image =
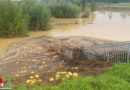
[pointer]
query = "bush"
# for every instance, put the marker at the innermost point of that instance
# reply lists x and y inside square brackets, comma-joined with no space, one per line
[12,21]
[93,6]
[39,15]
[86,15]
[64,10]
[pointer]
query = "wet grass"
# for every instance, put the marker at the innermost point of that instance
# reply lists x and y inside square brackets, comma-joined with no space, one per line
[8,78]
[116,78]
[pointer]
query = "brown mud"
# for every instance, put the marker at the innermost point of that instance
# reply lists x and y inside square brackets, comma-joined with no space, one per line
[50,50]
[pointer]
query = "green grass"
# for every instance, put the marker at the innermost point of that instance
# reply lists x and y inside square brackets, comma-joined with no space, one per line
[8,78]
[116,78]
[120,5]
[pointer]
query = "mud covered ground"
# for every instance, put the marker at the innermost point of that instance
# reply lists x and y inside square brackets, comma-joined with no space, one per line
[85,68]
[46,56]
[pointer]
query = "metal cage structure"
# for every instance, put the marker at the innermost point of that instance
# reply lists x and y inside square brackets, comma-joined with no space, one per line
[115,52]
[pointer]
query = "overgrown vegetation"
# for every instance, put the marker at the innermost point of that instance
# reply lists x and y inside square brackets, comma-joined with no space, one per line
[93,6]
[82,4]
[39,15]
[18,17]
[113,5]
[64,10]
[12,21]
[86,14]
[117,78]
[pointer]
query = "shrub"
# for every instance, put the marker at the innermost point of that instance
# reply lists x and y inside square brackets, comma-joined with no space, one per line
[12,21]
[93,6]
[86,14]
[64,10]
[39,15]
[83,5]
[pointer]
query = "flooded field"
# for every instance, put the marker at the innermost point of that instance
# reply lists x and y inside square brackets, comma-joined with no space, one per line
[112,25]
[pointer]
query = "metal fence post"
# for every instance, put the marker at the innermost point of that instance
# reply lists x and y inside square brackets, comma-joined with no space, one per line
[108,56]
[128,53]
[93,53]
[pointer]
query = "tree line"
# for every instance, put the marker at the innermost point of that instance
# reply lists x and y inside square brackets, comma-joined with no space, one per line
[19,17]
[112,1]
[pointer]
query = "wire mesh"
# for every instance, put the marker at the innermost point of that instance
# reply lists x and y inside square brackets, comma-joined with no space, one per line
[115,52]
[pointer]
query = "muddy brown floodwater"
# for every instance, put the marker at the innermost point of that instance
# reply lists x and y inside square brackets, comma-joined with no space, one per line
[112,25]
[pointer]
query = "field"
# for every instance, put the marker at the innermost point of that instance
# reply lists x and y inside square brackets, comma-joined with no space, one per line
[116,5]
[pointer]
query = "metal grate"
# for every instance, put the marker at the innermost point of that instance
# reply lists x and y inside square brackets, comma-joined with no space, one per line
[115,52]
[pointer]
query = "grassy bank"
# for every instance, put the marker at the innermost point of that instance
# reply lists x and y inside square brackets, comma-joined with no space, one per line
[116,78]
[116,5]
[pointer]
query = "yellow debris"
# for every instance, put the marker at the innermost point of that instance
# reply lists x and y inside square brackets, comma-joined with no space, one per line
[51,80]
[24,71]
[43,62]
[21,72]
[29,66]
[28,81]
[63,72]
[58,73]
[69,73]
[32,72]
[31,77]
[57,76]
[17,75]
[36,76]
[17,62]
[39,80]
[76,68]
[24,54]
[63,78]
[28,59]
[39,48]
[33,81]
[75,75]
